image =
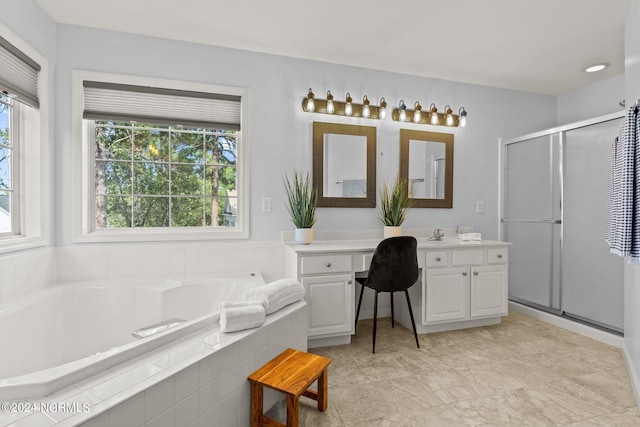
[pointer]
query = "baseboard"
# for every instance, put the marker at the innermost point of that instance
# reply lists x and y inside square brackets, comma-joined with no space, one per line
[633,374]
[579,328]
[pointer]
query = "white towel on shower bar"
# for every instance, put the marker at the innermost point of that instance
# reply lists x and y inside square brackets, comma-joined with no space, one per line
[276,295]
[239,315]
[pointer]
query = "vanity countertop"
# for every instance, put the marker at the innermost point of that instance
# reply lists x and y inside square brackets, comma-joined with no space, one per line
[369,245]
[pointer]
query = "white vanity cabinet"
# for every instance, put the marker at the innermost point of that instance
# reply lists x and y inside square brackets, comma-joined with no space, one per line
[463,285]
[328,280]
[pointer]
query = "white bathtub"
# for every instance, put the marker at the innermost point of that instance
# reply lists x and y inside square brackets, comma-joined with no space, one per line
[69,332]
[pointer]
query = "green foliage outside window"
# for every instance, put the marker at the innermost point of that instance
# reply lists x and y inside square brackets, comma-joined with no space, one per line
[161,176]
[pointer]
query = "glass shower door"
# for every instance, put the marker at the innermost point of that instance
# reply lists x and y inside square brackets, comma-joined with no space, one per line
[591,275]
[531,220]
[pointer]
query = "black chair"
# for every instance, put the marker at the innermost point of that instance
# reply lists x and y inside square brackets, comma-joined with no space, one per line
[394,268]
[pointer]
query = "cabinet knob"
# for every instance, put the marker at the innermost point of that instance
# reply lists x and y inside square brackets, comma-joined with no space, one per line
[464,274]
[499,255]
[475,273]
[438,259]
[349,282]
[328,264]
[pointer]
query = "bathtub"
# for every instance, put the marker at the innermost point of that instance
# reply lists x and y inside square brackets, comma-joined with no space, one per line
[69,332]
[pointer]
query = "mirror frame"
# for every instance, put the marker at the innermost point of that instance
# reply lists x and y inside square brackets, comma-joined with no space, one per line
[319,131]
[407,135]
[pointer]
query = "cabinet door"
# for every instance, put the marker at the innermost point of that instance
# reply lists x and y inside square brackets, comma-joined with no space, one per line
[489,291]
[446,294]
[330,300]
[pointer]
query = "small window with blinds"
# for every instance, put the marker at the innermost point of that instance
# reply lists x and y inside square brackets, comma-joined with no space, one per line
[163,158]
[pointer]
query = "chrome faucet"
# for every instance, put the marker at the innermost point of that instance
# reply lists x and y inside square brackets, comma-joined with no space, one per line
[438,234]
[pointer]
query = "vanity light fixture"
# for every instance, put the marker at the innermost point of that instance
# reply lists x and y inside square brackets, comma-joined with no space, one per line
[449,114]
[330,107]
[463,116]
[383,108]
[402,116]
[311,107]
[417,114]
[434,114]
[348,108]
[366,112]
[311,104]
[430,116]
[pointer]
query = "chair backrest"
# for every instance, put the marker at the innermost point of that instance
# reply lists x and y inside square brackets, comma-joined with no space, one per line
[394,266]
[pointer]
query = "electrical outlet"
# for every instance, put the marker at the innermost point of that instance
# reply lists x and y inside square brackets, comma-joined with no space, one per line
[266,204]
[479,207]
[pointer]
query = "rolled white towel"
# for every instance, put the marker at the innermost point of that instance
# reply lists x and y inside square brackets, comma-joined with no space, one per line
[239,315]
[470,236]
[276,295]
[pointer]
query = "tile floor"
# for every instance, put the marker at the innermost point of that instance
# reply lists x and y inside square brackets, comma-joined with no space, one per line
[523,372]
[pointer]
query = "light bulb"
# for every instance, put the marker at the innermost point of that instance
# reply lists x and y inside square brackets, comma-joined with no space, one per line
[330,107]
[463,117]
[449,113]
[417,115]
[402,116]
[311,106]
[383,108]
[348,108]
[434,114]
[366,112]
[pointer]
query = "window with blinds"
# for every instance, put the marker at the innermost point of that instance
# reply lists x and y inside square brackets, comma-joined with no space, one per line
[19,75]
[163,158]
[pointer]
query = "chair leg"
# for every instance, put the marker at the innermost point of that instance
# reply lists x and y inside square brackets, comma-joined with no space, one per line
[413,323]
[358,310]
[375,322]
[393,323]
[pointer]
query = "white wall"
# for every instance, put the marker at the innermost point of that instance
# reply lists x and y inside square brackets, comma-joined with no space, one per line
[597,99]
[279,132]
[632,272]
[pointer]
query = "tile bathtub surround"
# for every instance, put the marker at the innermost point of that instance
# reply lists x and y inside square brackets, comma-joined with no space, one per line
[521,372]
[26,272]
[198,381]
[129,260]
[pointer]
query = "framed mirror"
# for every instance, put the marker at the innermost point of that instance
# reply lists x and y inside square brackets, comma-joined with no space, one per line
[344,165]
[426,162]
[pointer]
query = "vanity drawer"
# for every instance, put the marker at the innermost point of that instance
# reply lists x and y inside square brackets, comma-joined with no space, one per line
[466,257]
[497,255]
[437,258]
[325,264]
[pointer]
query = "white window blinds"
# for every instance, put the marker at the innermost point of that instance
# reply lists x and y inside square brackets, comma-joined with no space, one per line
[121,102]
[18,74]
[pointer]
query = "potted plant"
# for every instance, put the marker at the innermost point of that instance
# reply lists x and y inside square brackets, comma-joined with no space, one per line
[394,205]
[302,205]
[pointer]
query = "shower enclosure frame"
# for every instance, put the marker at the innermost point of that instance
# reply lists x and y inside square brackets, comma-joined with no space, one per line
[555,219]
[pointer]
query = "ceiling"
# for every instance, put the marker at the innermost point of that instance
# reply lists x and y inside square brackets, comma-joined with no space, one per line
[539,46]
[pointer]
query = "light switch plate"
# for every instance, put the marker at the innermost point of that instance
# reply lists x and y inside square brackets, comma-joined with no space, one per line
[480,207]
[266,204]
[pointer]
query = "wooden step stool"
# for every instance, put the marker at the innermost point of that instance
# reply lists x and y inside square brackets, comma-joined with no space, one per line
[291,373]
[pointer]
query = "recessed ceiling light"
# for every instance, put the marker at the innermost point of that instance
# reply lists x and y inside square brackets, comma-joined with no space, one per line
[596,67]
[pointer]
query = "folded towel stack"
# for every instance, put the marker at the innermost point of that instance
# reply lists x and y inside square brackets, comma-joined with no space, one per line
[275,295]
[239,315]
[462,229]
[470,236]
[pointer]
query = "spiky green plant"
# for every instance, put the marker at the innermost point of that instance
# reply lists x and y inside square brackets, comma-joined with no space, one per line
[302,199]
[394,202]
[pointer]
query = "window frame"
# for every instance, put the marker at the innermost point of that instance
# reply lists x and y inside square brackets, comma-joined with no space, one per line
[83,218]
[31,219]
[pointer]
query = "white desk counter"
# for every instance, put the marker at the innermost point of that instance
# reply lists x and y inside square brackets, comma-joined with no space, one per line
[462,284]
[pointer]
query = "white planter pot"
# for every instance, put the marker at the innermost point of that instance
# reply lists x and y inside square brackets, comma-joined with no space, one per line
[392,231]
[304,236]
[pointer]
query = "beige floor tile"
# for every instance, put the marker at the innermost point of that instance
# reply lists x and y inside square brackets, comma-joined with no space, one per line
[522,372]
